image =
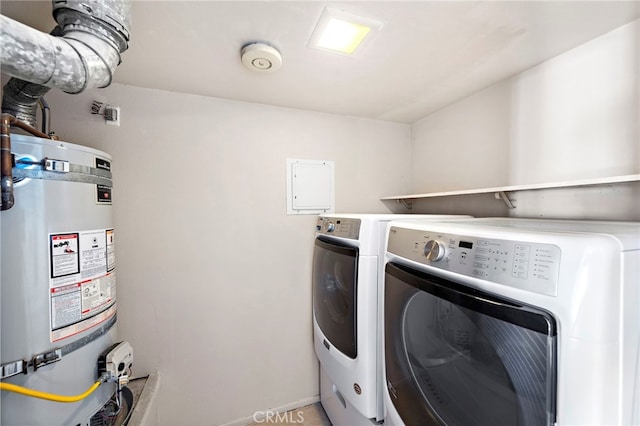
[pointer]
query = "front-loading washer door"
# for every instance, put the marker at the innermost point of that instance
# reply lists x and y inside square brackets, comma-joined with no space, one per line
[458,356]
[335,277]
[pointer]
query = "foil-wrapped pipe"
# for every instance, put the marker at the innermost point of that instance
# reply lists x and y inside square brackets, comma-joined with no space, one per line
[82,52]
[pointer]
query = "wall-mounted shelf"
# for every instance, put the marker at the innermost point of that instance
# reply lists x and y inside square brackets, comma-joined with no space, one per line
[502,192]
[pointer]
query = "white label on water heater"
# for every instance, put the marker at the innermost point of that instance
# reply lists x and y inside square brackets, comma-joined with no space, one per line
[111,252]
[82,283]
[64,255]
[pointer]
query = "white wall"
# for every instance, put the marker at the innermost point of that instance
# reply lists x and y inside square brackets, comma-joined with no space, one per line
[463,146]
[213,277]
[573,117]
[576,116]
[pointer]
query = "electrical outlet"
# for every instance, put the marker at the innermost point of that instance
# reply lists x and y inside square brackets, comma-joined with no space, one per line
[112,115]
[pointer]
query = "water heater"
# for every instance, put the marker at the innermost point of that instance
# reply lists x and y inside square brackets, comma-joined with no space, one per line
[58,286]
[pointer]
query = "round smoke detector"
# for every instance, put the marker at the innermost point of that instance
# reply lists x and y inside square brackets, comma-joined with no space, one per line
[261,57]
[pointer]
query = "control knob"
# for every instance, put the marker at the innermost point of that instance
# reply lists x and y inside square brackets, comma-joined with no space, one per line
[331,226]
[434,250]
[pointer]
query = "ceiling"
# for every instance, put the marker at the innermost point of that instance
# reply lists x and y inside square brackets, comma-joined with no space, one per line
[427,55]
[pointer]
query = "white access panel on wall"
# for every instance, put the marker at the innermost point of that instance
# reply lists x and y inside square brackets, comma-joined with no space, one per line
[310,186]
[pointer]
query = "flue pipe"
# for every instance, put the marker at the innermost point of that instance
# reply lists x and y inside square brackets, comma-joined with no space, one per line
[82,52]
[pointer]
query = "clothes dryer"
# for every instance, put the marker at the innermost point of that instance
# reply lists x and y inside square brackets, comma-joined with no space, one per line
[512,322]
[347,269]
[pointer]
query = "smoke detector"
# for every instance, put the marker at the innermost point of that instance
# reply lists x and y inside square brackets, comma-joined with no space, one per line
[261,57]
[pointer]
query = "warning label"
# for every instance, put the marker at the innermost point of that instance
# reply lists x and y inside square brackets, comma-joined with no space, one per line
[103,194]
[111,251]
[82,284]
[97,292]
[93,255]
[65,305]
[65,258]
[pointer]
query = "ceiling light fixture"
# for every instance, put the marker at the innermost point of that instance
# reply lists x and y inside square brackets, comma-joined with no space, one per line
[341,32]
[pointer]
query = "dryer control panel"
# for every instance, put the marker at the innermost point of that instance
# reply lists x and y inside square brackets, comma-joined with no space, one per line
[339,226]
[528,265]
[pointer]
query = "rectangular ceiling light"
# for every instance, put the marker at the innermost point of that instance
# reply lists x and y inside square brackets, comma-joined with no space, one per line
[341,32]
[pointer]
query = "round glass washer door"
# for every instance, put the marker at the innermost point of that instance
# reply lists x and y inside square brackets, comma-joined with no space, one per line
[334,281]
[458,358]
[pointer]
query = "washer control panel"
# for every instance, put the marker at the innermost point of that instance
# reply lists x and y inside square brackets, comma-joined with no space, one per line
[339,226]
[528,265]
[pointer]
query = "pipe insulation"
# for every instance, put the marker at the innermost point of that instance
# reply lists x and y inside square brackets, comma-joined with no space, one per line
[82,52]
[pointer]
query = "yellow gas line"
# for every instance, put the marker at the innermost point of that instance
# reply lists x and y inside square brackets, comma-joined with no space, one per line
[48,396]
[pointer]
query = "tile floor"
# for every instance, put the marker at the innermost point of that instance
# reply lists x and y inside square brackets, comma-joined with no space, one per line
[311,415]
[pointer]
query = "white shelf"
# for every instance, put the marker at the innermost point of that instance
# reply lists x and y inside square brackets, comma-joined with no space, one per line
[501,191]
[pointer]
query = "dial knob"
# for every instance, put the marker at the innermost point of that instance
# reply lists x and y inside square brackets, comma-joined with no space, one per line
[331,226]
[434,250]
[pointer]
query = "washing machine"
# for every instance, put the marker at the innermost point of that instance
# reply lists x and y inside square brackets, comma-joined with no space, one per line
[512,322]
[347,269]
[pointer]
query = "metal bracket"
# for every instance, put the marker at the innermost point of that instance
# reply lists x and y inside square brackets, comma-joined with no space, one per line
[13,368]
[46,358]
[52,165]
[407,203]
[20,366]
[502,195]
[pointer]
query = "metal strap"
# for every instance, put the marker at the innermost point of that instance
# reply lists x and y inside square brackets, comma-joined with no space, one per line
[77,344]
[13,368]
[70,176]
[20,366]
[93,171]
[53,169]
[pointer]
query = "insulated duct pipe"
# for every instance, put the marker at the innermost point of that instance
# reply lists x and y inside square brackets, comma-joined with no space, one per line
[82,52]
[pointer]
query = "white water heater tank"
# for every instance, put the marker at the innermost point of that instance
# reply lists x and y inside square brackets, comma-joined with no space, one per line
[58,287]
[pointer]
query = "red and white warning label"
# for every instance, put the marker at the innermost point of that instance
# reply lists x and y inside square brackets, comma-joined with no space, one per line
[111,252]
[64,255]
[82,284]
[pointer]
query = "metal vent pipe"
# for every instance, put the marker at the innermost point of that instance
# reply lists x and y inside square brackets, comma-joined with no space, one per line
[82,52]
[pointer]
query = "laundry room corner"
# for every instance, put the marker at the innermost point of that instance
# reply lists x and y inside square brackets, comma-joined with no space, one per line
[214,291]
[572,117]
